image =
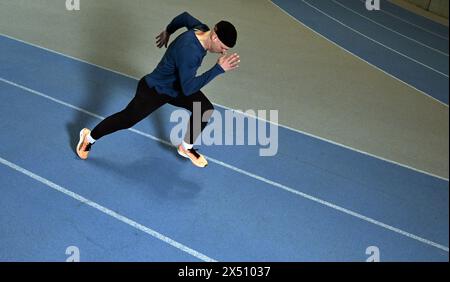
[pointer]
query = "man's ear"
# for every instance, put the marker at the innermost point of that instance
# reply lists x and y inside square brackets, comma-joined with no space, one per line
[214,36]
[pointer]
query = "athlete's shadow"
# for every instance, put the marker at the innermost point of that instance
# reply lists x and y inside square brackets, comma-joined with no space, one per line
[162,176]
[160,120]
[96,85]
[157,120]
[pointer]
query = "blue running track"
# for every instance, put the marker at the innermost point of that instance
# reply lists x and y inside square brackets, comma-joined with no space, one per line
[135,199]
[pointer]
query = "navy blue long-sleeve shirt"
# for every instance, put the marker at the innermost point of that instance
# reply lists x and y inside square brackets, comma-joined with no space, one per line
[176,73]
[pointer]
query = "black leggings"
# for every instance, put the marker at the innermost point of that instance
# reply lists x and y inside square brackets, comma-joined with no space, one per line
[148,100]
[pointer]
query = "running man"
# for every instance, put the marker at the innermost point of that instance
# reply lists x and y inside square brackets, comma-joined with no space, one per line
[175,81]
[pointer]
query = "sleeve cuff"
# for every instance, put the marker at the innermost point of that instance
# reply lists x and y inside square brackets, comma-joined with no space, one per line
[219,69]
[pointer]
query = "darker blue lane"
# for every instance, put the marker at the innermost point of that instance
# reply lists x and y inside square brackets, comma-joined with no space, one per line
[419,76]
[407,29]
[434,60]
[414,18]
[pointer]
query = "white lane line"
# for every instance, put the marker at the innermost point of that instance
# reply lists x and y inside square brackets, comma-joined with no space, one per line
[359,57]
[335,207]
[391,30]
[167,143]
[373,40]
[109,212]
[408,22]
[268,121]
[260,178]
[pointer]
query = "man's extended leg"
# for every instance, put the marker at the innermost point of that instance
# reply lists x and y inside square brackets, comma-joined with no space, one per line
[201,110]
[143,104]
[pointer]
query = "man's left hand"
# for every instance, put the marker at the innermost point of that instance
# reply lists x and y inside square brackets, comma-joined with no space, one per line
[162,39]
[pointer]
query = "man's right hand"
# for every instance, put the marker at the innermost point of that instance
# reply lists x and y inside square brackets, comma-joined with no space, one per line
[162,39]
[229,62]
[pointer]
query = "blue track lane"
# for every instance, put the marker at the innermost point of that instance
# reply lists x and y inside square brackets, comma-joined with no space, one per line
[39,224]
[219,212]
[414,18]
[421,34]
[415,64]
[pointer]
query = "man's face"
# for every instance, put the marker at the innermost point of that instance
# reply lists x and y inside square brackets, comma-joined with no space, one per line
[217,46]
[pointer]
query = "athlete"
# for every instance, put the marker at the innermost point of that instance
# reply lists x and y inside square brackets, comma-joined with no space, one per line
[175,81]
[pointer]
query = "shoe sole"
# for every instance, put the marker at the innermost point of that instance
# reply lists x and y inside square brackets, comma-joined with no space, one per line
[82,135]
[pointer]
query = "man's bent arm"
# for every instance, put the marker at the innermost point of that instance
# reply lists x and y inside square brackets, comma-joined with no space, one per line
[185,20]
[187,69]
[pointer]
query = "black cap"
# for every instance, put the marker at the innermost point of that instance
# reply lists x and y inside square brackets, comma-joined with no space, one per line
[226,33]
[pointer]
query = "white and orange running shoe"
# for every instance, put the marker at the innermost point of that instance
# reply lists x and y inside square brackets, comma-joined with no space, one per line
[192,154]
[84,146]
